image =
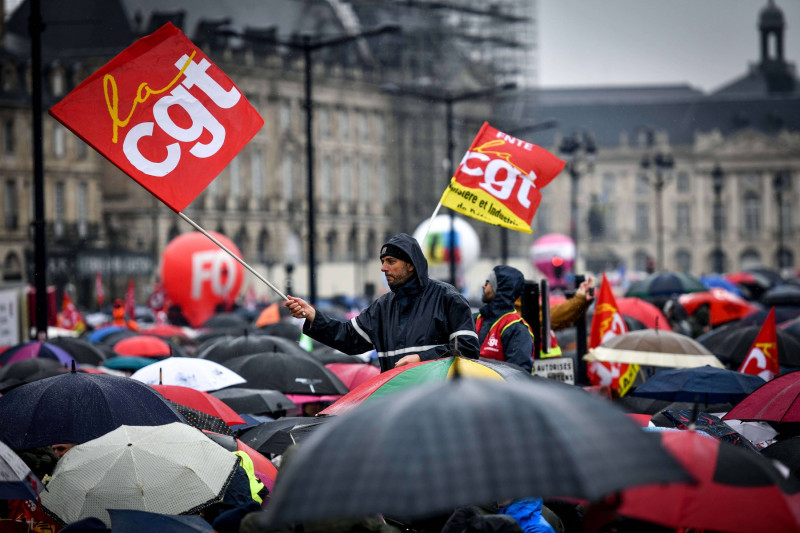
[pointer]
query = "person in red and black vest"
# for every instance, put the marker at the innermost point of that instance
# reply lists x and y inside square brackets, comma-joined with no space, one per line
[502,333]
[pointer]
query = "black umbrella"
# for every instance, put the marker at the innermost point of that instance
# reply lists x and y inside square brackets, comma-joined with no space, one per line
[76,407]
[434,447]
[284,329]
[203,421]
[783,313]
[12,383]
[227,321]
[326,355]
[81,350]
[651,406]
[17,482]
[254,401]
[707,423]
[786,451]
[226,348]
[705,384]
[287,373]
[113,338]
[277,435]
[780,295]
[665,285]
[732,344]
[25,367]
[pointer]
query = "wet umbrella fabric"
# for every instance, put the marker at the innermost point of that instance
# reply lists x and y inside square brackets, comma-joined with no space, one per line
[226,348]
[226,321]
[648,314]
[732,344]
[777,400]
[80,349]
[520,438]
[398,379]
[724,306]
[786,294]
[792,327]
[326,355]
[353,375]
[169,469]
[35,349]
[651,406]
[786,451]
[664,285]
[783,313]
[78,407]
[654,348]
[737,490]
[286,373]
[127,362]
[134,521]
[254,401]
[701,421]
[275,436]
[703,384]
[17,482]
[202,401]
[721,282]
[199,374]
[144,346]
[202,421]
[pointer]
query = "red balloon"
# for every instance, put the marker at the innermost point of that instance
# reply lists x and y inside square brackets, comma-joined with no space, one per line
[198,275]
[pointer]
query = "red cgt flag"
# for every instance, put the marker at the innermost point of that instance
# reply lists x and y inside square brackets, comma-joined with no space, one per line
[498,180]
[762,359]
[607,323]
[98,289]
[70,317]
[164,114]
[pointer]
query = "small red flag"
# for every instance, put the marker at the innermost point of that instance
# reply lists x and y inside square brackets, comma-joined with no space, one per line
[164,114]
[70,317]
[130,301]
[98,289]
[607,323]
[762,359]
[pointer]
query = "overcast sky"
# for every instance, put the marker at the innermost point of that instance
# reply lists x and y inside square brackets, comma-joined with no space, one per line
[705,43]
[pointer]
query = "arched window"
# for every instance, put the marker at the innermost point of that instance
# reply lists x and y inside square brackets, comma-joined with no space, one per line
[12,267]
[749,258]
[173,232]
[242,241]
[352,249]
[752,214]
[263,247]
[330,241]
[640,260]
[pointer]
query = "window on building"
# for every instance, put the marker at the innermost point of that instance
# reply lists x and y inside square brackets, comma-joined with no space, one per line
[363,126]
[383,182]
[642,220]
[380,128]
[364,178]
[59,205]
[57,82]
[786,216]
[10,78]
[640,260]
[256,175]
[642,183]
[11,205]
[83,209]
[347,179]
[331,245]
[285,115]
[236,178]
[344,125]
[610,220]
[326,178]
[683,258]
[683,222]
[58,141]
[8,137]
[752,214]
[324,124]
[718,218]
[609,185]
[263,247]
[288,176]
[80,150]
[682,182]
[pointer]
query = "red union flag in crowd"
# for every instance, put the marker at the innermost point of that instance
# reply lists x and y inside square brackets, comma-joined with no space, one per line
[164,114]
[607,323]
[70,317]
[498,180]
[762,359]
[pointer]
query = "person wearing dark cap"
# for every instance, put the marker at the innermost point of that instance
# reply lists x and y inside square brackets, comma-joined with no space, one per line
[420,319]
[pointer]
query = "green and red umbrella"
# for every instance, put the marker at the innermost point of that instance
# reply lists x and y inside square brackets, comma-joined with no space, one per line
[424,372]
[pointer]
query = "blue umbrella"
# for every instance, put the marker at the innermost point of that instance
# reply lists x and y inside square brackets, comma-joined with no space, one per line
[704,384]
[715,281]
[130,521]
[101,333]
[78,407]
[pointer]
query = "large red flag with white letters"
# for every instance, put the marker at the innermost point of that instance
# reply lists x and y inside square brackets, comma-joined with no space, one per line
[607,323]
[762,359]
[164,114]
[499,178]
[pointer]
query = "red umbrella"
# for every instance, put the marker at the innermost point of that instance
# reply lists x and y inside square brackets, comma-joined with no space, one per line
[143,346]
[168,331]
[774,401]
[645,312]
[353,374]
[724,306]
[736,490]
[202,401]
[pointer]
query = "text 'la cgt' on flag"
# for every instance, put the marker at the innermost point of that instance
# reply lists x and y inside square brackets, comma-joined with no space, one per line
[164,114]
[498,180]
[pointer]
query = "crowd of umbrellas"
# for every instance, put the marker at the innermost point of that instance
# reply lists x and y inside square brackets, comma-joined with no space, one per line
[161,420]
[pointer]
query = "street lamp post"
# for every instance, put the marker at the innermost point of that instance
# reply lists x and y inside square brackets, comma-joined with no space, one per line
[308,44]
[577,149]
[718,181]
[450,99]
[662,163]
[779,183]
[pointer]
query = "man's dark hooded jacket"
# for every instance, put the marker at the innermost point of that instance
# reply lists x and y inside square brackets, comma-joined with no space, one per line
[516,338]
[423,316]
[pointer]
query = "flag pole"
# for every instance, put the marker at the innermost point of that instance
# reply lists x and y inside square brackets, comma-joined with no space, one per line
[248,267]
[430,222]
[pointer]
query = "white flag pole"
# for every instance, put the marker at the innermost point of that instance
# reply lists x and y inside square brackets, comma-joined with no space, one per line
[430,223]
[248,267]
